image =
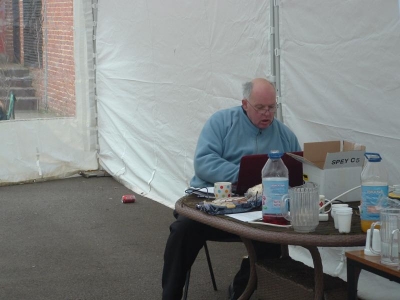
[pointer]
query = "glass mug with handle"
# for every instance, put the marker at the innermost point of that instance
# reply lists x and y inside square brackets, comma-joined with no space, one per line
[394,256]
[389,237]
[301,207]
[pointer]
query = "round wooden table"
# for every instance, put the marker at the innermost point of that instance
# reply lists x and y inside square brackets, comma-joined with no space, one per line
[325,235]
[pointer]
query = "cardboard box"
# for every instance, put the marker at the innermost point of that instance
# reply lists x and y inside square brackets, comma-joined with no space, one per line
[335,166]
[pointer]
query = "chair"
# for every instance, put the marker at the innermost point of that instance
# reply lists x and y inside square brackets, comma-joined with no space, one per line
[211,273]
[224,240]
[11,107]
[228,240]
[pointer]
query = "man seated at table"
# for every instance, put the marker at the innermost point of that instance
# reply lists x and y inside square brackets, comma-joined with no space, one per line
[226,137]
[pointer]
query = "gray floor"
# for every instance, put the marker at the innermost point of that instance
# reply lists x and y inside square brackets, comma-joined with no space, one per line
[74,239]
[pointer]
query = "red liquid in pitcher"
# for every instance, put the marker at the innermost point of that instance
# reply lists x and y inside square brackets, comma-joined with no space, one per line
[275,219]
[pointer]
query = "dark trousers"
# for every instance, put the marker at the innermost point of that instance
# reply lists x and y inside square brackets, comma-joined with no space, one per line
[186,239]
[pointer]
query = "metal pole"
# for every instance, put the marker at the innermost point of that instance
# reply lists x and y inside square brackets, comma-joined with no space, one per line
[277,53]
[272,39]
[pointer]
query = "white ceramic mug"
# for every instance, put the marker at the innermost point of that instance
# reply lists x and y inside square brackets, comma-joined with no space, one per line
[222,190]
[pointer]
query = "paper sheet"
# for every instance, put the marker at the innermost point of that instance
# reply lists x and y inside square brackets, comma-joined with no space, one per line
[247,216]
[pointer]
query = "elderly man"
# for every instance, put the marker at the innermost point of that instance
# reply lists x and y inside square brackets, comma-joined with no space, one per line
[226,137]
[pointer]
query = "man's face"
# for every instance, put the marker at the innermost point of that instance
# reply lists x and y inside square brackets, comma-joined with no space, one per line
[261,106]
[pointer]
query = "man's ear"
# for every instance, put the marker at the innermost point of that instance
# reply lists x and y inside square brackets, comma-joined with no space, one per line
[244,104]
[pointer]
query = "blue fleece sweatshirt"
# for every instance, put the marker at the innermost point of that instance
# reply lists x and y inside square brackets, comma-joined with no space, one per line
[226,137]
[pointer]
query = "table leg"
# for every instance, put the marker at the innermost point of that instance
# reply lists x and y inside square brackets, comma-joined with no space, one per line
[353,273]
[251,285]
[318,272]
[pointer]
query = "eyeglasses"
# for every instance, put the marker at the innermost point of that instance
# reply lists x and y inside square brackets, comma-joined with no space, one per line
[263,111]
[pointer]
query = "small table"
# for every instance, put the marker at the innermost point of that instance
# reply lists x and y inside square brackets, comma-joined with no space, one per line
[357,260]
[325,235]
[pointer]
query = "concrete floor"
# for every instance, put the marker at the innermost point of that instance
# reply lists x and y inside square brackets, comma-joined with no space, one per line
[74,239]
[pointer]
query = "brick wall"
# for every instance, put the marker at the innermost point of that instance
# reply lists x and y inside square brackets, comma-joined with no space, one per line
[9,50]
[60,57]
[56,87]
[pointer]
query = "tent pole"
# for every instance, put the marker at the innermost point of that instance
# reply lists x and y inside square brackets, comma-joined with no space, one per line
[94,12]
[277,53]
[272,40]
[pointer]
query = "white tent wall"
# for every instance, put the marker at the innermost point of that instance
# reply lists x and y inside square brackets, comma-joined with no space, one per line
[56,148]
[162,70]
[340,73]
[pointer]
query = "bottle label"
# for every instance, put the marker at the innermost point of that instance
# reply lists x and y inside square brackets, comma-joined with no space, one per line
[273,190]
[370,196]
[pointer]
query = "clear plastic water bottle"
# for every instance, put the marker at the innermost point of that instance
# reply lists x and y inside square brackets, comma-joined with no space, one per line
[275,184]
[374,185]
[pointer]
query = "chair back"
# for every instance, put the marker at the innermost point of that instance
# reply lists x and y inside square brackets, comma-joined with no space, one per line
[11,107]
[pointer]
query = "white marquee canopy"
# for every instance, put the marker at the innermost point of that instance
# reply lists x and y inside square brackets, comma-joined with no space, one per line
[150,73]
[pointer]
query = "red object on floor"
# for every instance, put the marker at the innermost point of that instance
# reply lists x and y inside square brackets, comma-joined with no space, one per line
[128,199]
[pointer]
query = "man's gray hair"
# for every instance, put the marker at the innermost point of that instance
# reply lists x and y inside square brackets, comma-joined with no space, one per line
[247,89]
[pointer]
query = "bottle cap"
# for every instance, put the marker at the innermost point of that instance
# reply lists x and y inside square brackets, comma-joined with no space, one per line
[275,154]
[373,157]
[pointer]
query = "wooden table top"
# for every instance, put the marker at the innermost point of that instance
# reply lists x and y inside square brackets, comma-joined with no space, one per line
[372,261]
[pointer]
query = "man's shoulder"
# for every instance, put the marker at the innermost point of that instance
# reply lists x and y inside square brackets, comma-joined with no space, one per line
[229,110]
[227,113]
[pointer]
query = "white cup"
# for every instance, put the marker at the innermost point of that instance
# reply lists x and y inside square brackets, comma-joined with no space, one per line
[376,243]
[343,219]
[222,190]
[335,207]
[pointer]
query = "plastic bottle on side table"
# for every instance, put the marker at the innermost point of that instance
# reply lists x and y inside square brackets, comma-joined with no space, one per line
[275,184]
[374,185]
